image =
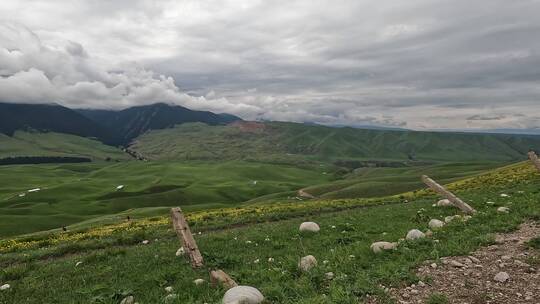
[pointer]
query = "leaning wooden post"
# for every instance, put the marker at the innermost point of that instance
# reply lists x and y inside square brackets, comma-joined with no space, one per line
[534,158]
[181,227]
[449,195]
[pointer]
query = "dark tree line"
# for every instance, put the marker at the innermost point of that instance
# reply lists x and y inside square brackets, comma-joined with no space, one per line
[22,160]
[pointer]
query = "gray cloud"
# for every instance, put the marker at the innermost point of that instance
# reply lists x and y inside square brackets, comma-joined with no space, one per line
[419,63]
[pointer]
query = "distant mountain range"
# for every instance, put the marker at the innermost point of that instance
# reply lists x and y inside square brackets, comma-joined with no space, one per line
[111,127]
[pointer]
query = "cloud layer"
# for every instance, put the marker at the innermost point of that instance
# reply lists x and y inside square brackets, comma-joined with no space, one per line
[417,64]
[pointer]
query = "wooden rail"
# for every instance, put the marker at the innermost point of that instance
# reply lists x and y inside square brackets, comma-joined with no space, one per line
[449,195]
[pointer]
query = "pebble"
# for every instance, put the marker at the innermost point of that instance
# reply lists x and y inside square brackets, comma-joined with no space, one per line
[503,210]
[329,275]
[128,300]
[5,287]
[198,281]
[307,263]
[475,260]
[415,234]
[180,251]
[457,264]
[433,265]
[169,289]
[501,277]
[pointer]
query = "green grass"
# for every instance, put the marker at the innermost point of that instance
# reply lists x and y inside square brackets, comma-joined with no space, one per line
[81,195]
[107,275]
[292,142]
[56,144]
[74,193]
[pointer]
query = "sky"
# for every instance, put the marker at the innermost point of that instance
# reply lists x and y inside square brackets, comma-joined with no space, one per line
[416,64]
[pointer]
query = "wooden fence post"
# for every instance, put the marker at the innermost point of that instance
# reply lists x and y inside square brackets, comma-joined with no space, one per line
[181,227]
[449,195]
[534,158]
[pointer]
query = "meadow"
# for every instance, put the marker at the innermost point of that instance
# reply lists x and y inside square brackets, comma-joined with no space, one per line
[42,268]
[76,195]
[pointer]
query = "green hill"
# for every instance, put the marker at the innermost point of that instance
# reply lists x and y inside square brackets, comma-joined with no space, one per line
[56,144]
[277,141]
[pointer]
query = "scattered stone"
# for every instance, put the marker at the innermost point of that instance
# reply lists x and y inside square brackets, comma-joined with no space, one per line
[457,264]
[429,233]
[169,289]
[503,210]
[415,234]
[309,227]
[180,252]
[506,257]
[329,275]
[490,203]
[450,218]
[475,260]
[170,298]
[501,277]
[198,281]
[380,246]
[444,203]
[128,300]
[307,263]
[421,284]
[435,224]
[433,265]
[505,195]
[78,264]
[145,242]
[243,295]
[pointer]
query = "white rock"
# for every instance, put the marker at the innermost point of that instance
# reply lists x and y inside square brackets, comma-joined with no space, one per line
[119,187]
[198,281]
[128,300]
[380,246]
[329,275]
[503,210]
[170,298]
[309,227]
[307,262]
[270,260]
[78,264]
[180,252]
[505,195]
[434,224]
[448,219]
[501,277]
[444,203]
[145,242]
[243,295]
[169,289]
[5,287]
[415,234]
[490,203]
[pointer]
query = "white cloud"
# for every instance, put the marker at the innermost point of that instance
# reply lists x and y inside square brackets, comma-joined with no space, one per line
[429,63]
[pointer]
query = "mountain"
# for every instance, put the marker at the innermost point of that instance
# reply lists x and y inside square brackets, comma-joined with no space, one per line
[134,121]
[110,127]
[285,141]
[49,118]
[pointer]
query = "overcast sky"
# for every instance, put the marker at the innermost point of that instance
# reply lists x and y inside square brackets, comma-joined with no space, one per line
[415,64]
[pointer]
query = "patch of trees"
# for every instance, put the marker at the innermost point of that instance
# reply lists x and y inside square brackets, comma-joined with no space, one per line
[26,160]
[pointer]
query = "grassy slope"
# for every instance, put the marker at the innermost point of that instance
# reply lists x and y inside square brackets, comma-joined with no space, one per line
[56,144]
[282,141]
[76,192]
[144,270]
